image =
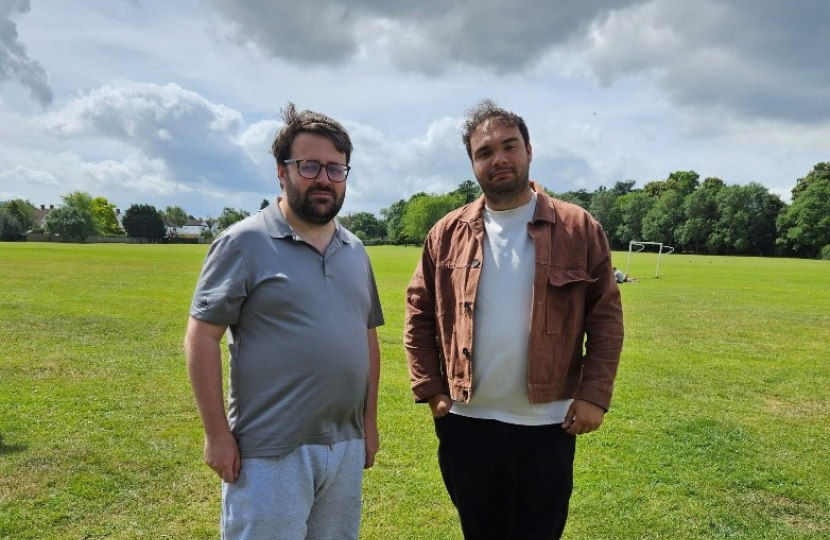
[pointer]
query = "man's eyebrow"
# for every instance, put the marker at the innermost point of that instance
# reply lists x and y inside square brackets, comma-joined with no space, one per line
[487,146]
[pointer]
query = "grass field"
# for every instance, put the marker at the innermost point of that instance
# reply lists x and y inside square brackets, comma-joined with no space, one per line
[720,425]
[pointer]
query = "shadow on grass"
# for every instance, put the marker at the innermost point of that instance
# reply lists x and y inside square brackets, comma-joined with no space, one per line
[10,448]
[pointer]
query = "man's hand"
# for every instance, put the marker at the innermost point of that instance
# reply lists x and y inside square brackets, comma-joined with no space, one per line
[371,440]
[222,455]
[583,417]
[440,405]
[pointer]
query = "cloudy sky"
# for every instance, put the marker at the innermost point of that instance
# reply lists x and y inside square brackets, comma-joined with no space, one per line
[176,103]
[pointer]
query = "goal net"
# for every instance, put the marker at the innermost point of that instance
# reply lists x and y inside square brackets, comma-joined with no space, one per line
[636,246]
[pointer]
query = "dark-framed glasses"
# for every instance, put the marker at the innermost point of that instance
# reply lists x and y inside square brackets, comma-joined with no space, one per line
[310,169]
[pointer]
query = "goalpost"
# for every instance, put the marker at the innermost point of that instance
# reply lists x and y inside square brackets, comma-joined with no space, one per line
[641,246]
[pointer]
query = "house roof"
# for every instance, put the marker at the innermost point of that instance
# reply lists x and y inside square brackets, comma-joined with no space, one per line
[41,213]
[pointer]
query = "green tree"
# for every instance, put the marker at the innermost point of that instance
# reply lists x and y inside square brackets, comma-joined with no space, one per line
[604,210]
[230,216]
[633,208]
[144,221]
[804,226]
[701,211]
[363,224]
[86,205]
[683,182]
[580,197]
[82,201]
[820,171]
[656,188]
[10,228]
[623,187]
[664,218]
[423,211]
[16,217]
[747,220]
[175,215]
[78,199]
[712,183]
[103,215]
[70,223]
[392,220]
[468,190]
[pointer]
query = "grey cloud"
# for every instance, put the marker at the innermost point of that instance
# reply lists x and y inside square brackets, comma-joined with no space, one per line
[195,139]
[763,59]
[429,36]
[316,31]
[15,64]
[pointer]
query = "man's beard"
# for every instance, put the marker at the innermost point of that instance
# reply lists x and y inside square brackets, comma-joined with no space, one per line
[507,190]
[307,210]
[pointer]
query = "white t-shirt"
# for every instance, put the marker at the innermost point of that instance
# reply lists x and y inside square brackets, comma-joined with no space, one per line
[502,325]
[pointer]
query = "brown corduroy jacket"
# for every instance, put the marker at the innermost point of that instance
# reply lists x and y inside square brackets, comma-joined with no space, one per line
[576,333]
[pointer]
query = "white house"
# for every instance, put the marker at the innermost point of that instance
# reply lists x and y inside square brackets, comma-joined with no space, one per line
[194,227]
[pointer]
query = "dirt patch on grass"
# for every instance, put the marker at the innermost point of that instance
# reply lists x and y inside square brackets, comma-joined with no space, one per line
[797,409]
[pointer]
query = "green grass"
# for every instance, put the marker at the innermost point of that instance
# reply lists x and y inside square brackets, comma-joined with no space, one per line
[719,428]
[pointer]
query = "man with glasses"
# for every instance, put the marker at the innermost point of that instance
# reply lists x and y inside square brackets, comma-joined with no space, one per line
[296,294]
[507,290]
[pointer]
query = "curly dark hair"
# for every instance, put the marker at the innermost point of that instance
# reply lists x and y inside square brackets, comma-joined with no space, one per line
[308,122]
[488,110]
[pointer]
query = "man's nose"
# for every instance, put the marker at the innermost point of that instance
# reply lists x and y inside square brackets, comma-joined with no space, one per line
[499,158]
[322,176]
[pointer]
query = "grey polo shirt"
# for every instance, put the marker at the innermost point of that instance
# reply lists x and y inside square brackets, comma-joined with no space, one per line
[299,356]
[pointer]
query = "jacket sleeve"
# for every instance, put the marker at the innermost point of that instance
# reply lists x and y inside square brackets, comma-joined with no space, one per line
[421,331]
[603,324]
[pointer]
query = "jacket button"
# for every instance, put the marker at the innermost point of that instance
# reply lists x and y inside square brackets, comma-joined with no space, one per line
[476,263]
[466,352]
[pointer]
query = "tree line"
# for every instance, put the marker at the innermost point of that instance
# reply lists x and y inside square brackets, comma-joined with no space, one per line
[82,216]
[693,216]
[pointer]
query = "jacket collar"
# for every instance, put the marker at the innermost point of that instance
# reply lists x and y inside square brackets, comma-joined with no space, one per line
[544,207]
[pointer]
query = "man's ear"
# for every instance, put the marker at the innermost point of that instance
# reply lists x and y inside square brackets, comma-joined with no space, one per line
[529,152]
[281,175]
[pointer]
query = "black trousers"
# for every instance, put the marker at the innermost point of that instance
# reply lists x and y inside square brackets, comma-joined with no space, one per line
[508,482]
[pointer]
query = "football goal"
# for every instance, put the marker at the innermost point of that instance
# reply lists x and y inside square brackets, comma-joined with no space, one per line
[636,246]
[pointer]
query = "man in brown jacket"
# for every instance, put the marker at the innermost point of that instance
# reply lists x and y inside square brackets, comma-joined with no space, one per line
[513,336]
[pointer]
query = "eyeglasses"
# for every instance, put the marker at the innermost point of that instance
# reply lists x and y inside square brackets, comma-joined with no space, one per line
[310,169]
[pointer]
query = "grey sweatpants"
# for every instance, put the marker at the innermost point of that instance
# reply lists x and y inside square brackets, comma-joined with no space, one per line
[313,493]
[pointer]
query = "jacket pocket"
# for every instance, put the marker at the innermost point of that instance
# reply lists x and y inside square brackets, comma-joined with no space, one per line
[565,302]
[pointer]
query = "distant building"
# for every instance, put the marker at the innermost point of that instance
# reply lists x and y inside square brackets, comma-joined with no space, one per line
[41,213]
[193,228]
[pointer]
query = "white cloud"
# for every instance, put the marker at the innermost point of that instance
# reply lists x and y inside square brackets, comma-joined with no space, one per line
[195,138]
[256,140]
[23,175]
